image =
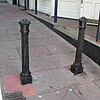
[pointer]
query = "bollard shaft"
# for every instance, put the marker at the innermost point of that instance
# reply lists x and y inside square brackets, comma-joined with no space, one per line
[35,6]
[25,4]
[55,11]
[77,68]
[25,75]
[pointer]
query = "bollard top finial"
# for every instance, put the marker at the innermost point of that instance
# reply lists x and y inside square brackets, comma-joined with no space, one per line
[24,22]
[83,19]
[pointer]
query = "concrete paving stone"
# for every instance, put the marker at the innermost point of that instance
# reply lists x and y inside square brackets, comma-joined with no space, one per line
[18,36]
[43,29]
[33,30]
[41,63]
[85,77]
[3,33]
[97,82]
[4,38]
[39,51]
[9,54]
[61,48]
[12,37]
[41,42]
[11,67]
[90,74]
[88,91]
[50,80]
[13,31]
[61,94]
[17,43]
[11,27]
[6,45]
[43,34]
[2,27]
[61,60]
[32,36]
[57,40]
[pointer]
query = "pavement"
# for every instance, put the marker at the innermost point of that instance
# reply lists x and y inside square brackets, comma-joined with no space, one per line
[50,59]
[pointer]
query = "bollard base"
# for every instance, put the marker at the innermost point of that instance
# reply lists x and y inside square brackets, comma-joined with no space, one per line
[76,69]
[25,78]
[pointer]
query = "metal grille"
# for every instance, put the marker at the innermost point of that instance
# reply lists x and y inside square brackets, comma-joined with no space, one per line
[14,96]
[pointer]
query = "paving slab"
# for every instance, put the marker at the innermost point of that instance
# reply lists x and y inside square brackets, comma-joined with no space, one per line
[88,92]
[61,94]
[54,79]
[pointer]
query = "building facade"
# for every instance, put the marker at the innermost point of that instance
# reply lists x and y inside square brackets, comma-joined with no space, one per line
[67,8]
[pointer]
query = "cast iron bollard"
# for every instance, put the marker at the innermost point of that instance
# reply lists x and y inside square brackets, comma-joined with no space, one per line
[25,75]
[25,4]
[77,68]
[35,6]
[55,11]
[18,3]
[98,30]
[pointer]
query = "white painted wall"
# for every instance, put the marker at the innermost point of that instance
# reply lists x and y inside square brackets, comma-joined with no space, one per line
[69,8]
[22,3]
[45,6]
[90,9]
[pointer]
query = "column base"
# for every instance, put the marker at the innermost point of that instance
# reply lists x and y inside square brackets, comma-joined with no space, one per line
[25,78]
[76,69]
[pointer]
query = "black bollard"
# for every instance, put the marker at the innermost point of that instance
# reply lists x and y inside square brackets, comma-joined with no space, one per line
[25,75]
[77,68]
[98,30]
[55,11]
[18,3]
[35,6]
[25,4]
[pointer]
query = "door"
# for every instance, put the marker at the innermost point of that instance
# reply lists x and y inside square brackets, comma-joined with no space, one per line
[69,8]
[90,8]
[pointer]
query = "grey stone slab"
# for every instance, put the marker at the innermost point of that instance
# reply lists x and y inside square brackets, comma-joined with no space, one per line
[12,37]
[11,67]
[50,80]
[9,54]
[32,36]
[88,92]
[4,38]
[41,63]
[39,51]
[13,31]
[40,42]
[43,34]
[6,45]
[91,73]
[3,33]
[61,48]
[62,94]
[17,43]
[97,82]
[61,60]
[58,40]
[33,29]
[18,36]
[2,27]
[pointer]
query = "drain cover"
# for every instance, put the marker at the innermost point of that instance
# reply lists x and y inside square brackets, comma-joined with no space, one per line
[14,96]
